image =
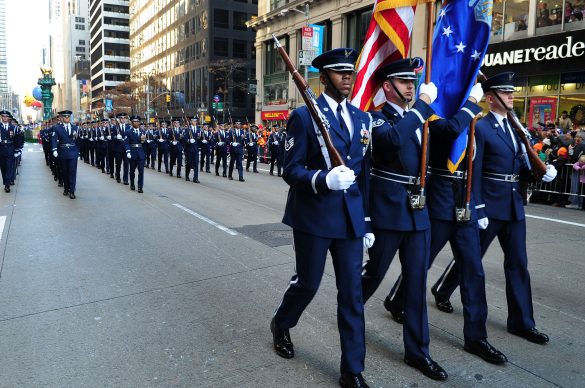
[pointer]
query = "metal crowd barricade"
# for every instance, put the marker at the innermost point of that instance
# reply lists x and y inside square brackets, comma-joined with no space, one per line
[565,187]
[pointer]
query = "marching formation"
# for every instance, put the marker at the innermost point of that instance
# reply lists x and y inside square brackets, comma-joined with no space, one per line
[122,145]
[11,143]
[358,185]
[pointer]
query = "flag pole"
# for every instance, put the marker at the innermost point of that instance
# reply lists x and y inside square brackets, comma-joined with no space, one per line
[418,201]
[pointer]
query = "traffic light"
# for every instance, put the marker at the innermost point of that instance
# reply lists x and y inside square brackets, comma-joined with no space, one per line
[168,98]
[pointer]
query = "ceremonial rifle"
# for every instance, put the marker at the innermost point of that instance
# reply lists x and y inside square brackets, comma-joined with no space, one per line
[311,103]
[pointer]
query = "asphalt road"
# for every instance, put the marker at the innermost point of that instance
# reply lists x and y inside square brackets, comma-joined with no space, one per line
[176,287]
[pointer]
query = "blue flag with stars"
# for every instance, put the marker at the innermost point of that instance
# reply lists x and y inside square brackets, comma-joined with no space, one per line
[460,41]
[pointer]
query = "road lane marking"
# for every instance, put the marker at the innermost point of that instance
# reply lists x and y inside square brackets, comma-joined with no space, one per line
[203,218]
[554,220]
[2,223]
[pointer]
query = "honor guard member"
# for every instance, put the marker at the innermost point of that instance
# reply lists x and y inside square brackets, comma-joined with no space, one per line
[237,140]
[92,142]
[151,147]
[55,165]
[252,148]
[327,212]
[176,147]
[273,146]
[6,149]
[398,226]
[446,197]
[101,149]
[119,148]
[66,151]
[164,136]
[133,139]
[18,144]
[205,148]
[501,159]
[220,141]
[108,126]
[191,139]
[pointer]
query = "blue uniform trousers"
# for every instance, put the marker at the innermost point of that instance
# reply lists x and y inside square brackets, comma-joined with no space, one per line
[163,155]
[221,157]
[310,254]
[133,165]
[69,173]
[6,161]
[512,238]
[252,158]
[236,157]
[204,161]
[413,247]
[151,156]
[464,241]
[191,162]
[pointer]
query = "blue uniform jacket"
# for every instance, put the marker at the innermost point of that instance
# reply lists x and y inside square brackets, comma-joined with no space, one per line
[237,136]
[131,140]
[445,194]
[63,143]
[311,207]
[206,135]
[497,199]
[188,134]
[7,138]
[118,144]
[396,148]
[223,139]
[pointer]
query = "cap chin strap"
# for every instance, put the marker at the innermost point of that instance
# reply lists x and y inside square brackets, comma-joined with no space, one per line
[404,100]
[337,93]
[502,102]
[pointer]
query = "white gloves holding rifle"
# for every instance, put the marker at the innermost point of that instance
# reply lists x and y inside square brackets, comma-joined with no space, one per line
[55,154]
[430,90]
[483,223]
[340,178]
[551,173]
[476,92]
[369,240]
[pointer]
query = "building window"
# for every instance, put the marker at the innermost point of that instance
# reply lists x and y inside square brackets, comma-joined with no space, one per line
[79,20]
[274,63]
[274,4]
[240,49]
[240,19]
[358,23]
[80,49]
[221,18]
[80,27]
[81,41]
[220,47]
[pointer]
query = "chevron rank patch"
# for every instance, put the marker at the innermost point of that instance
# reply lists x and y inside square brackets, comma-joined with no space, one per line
[289,144]
[378,123]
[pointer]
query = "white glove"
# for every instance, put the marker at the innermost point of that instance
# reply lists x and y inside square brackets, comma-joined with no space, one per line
[252,143]
[109,137]
[119,137]
[429,89]
[55,154]
[204,141]
[101,138]
[340,178]
[149,141]
[128,155]
[161,140]
[16,154]
[175,142]
[483,223]
[476,92]
[220,143]
[275,143]
[369,239]
[551,173]
[191,141]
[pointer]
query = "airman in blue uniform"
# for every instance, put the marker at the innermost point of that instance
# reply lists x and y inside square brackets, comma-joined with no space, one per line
[327,210]
[221,141]
[101,148]
[274,140]
[164,137]
[446,196]
[133,139]
[176,146]
[66,151]
[119,148]
[252,148]
[237,141]
[399,225]
[6,149]
[501,159]
[191,141]
[205,146]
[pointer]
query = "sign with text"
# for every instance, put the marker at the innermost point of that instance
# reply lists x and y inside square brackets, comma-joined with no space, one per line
[307,36]
[275,115]
[306,57]
[317,45]
[542,110]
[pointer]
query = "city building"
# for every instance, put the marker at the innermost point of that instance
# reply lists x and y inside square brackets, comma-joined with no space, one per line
[109,49]
[543,42]
[193,57]
[69,43]
[6,95]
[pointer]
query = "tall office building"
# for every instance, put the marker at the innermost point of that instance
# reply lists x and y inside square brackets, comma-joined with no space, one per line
[198,52]
[3,58]
[109,48]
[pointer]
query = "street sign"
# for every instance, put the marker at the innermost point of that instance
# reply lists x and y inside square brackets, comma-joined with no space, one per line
[216,98]
[306,57]
[307,38]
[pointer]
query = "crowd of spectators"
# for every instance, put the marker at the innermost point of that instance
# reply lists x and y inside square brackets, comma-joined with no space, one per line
[562,144]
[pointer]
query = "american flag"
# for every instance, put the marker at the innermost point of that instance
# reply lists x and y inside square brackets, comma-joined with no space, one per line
[387,39]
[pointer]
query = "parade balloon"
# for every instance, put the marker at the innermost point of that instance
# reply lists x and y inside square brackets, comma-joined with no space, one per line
[37,93]
[36,104]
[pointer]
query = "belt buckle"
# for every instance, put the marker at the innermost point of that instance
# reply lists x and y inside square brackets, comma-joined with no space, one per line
[511,178]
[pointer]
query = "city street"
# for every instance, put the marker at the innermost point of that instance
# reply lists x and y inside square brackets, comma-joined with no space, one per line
[176,288]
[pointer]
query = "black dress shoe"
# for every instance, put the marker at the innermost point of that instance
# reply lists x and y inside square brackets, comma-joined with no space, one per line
[242,180]
[118,180]
[159,170]
[187,179]
[397,314]
[532,335]
[111,176]
[217,173]
[281,339]
[256,171]
[443,305]
[279,174]
[60,185]
[126,183]
[271,173]
[72,195]
[428,367]
[196,181]
[485,350]
[231,178]
[224,175]
[170,174]
[178,176]
[132,187]
[66,192]
[140,190]
[7,189]
[352,381]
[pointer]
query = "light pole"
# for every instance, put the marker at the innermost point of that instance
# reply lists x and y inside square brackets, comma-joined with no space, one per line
[306,13]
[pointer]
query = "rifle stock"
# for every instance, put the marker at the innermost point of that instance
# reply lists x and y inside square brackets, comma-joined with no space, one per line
[311,103]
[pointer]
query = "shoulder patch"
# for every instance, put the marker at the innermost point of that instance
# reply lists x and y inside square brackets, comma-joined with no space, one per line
[289,144]
[378,123]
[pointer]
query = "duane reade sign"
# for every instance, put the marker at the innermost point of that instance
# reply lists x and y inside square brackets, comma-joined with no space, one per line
[570,47]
